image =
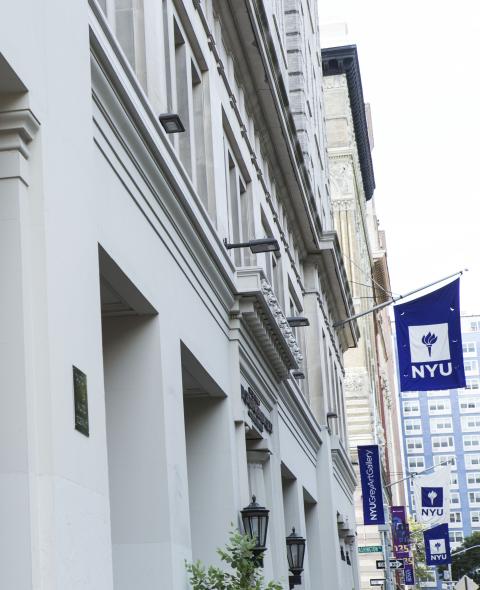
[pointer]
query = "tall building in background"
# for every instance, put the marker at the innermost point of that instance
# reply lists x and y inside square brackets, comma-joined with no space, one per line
[371,402]
[441,426]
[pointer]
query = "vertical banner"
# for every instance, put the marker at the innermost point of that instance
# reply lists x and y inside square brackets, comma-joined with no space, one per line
[400,532]
[408,572]
[369,464]
[437,545]
[432,497]
[429,341]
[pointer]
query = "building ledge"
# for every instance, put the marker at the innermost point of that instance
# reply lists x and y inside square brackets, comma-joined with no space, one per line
[342,462]
[344,60]
[259,308]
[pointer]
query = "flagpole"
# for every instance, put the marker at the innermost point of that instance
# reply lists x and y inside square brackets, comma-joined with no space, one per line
[394,299]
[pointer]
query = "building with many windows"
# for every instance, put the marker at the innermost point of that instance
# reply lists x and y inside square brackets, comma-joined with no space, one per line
[441,426]
[154,375]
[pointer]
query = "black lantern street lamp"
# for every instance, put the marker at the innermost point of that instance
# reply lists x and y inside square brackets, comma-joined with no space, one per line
[255,524]
[295,556]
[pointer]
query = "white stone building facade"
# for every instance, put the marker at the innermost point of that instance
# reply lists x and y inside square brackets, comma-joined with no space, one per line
[113,263]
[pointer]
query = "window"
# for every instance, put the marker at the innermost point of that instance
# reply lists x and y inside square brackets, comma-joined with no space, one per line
[454,500]
[439,406]
[474,498]
[471,423]
[443,443]
[472,383]
[469,349]
[441,425]
[475,326]
[475,518]
[456,536]
[414,445]
[471,442]
[413,426]
[469,405]
[239,211]
[471,367]
[455,518]
[411,408]
[453,480]
[444,460]
[129,28]
[472,461]
[416,463]
[473,479]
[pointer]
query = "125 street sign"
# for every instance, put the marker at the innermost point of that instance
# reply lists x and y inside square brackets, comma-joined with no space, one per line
[395,564]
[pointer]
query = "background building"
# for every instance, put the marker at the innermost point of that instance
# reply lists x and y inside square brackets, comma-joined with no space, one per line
[441,426]
[369,368]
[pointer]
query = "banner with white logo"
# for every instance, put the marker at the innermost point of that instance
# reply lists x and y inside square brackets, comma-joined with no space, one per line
[429,341]
[369,465]
[432,497]
[437,545]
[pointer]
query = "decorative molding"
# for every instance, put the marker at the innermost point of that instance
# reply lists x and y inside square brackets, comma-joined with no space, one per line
[262,313]
[17,129]
[342,176]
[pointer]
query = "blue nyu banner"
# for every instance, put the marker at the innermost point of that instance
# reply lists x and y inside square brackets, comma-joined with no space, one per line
[437,545]
[429,341]
[369,462]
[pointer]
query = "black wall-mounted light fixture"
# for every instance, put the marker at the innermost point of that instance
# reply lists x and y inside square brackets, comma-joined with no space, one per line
[255,524]
[298,374]
[256,246]
[342,554]
[298,321]
[348,558]
[171,123]
[295,556]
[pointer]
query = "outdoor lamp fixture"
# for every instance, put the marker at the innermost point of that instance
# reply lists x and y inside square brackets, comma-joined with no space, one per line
[171,123]
[348,558]
[330,416]
[298,374]
[298,321]
[256,246]
[255,524]
[295,556]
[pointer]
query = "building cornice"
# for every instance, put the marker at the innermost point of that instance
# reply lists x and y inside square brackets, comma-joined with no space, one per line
[344,60]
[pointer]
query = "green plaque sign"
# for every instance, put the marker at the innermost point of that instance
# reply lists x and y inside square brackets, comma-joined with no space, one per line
[371,549]
[80,401]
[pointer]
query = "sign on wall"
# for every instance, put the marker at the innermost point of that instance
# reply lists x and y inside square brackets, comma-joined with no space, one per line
[369,465]
[80,401]
[429,341]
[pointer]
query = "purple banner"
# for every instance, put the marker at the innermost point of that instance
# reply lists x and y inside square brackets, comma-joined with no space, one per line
[400,532]
[408,573]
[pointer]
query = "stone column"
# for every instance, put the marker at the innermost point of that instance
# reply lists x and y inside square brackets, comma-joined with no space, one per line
[17,386]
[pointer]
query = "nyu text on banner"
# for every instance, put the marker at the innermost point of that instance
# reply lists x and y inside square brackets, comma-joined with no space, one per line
[429,341]
[369,463]
[400,532]
[432,497]
[437,545]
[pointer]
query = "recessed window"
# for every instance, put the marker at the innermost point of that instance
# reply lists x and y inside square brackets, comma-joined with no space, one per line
[439,425]
[443,443]
[469,348]
[455,518]
[445,460]
[471,442]
[473,479]
[412,426]
[469,405]
[471,367]
[456,536]
[470,423]
[439,406]
[475,518]
[472,461]
[474,498]
[414,445]
[472,383]
[411,408]
[455,499]
[416,463]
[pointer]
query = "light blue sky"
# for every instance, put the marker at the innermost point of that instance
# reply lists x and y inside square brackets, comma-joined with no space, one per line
[420,65]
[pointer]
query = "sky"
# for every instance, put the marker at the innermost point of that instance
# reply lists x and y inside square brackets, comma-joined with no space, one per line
[420,68]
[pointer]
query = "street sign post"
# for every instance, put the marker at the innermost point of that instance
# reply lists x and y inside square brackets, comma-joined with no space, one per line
[371,549]
[395,564]
[377,581]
